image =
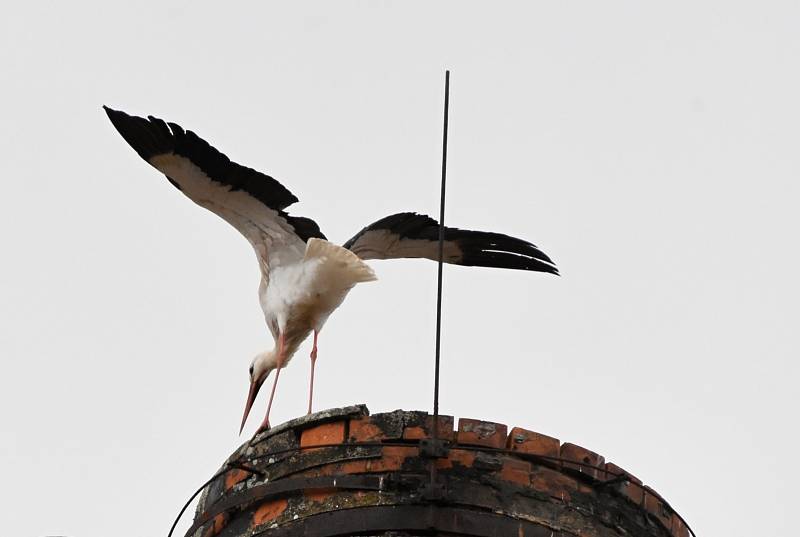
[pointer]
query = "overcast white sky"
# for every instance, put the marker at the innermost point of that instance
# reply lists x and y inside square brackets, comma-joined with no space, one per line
[650,148]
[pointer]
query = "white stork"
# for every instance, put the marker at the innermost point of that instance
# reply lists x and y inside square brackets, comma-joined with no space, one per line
[303,276]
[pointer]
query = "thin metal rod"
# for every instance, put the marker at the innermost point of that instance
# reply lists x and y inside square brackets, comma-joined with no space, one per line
[441,256]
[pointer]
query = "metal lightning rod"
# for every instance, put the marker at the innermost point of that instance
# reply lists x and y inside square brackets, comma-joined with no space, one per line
[441,256]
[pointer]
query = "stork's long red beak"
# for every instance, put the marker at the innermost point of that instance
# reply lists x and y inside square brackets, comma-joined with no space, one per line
[255,385]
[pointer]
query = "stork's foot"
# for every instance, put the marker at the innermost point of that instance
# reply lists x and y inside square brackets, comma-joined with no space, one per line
[313,363]
[311,386]
[265,426]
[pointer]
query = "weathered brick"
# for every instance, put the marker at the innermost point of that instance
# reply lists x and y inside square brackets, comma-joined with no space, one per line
[553,483]
[269,511]
[234,477]
[526,441]
[319,495]
[464,465]
[425,429]
[335,468]
[219,522]
[363,430]
[216,526]
[631,489]
[612,471]
[457,457]
[391,423]
[353,467]
[657,508]
[679,529]
[392,459]
[590,462]
[327,433]
[488,461]
[481,433]
[516,471]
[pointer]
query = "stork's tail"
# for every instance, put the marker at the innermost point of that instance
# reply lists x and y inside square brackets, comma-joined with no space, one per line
[340,263]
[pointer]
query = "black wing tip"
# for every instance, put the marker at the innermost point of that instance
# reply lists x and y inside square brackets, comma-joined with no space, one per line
[481,248]
[152,136]
[117,115]
[114,115]
[553,270]
[507,260]
[144,135]
[478,248]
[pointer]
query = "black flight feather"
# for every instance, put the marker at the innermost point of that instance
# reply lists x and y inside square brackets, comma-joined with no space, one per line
[152,137]
[477,248]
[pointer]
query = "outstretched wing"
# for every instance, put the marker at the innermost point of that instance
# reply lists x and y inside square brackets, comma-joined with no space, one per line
[249,200]
[416,235]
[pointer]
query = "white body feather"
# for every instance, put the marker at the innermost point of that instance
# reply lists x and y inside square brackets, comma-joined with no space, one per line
[318,282]
[299,297]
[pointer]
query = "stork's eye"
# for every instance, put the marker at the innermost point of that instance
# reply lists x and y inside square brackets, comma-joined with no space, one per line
[251,370]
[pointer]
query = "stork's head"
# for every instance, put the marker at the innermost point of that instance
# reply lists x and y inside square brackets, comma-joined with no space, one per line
[260,368]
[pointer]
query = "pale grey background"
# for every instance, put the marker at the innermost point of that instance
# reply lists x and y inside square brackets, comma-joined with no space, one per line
[650,148]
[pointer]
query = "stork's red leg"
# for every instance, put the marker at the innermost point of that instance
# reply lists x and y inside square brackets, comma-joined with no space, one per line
[265,424]
[313,362]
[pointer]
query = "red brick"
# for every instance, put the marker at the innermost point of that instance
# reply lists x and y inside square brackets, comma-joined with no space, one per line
[633,490]
[481,433]
[353,467]
[328,469]
[336,468]
[612,471]
[654,506]
[553,483]
[392,459]
[516,471]
[418,432]
[218,524]
[317,471]
[235,476]
[363,430]
[532,442]
[679,529]
[269,511]
[457,457]
[590,462]
[327,433]
[319,495]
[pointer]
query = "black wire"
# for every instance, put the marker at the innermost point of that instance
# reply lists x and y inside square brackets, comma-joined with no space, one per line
[193,496]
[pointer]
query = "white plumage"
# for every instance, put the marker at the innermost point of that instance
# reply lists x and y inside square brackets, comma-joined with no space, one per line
[297,297]
[304,278]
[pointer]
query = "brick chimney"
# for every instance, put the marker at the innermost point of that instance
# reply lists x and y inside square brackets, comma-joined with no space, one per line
[343,472]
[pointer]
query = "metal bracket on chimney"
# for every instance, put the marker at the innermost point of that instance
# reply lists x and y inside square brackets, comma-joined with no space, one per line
[433,448]
[433,492]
